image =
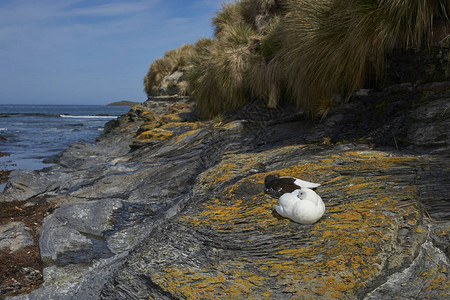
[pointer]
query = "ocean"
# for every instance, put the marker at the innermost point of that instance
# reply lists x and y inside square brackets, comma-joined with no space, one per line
[30,134]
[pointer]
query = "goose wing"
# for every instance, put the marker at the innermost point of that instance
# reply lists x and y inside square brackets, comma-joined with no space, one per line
[306,184]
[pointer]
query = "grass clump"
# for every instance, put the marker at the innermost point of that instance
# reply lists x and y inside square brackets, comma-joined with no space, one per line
[216,79]
[231,69]
[254,11]
[331,46]
[307,51]
[172,61]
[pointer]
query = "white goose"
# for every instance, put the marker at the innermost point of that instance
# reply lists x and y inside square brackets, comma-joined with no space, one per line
[302,206]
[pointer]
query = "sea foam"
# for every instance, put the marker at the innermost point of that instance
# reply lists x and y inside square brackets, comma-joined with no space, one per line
[88,117]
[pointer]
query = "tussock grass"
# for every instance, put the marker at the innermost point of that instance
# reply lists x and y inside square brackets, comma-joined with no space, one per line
[265,80]
[171,62]
[310,50]
[158,69]
[230,15]
[331,46]
[252,8]
[216,79]
[265,76]
[180,57]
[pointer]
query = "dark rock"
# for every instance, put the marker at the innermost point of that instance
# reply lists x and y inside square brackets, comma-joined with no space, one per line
[184,215]
[24,184]
[110,125]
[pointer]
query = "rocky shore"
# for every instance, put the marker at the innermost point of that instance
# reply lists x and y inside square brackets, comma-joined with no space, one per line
[167,206]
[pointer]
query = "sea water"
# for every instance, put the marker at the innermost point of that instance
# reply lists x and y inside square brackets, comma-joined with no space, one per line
[32,133]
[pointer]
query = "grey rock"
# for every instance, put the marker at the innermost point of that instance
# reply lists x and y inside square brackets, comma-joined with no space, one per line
[429,125]
[187,218]
[427,272]
[173,84]
[74,232]
[56,240]
[74,281]
[24,184]
[15,236]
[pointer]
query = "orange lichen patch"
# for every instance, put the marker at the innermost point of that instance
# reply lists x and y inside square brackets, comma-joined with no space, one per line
[195,283]
[130,127]
[148,126]
[156,134]
[185,126]
[236,125]
[179,107]
[148,116]
[181,137]
[143,112]
[170,118]
[250,216]
[334,258]
[241,163]
[224,173]
[437,279]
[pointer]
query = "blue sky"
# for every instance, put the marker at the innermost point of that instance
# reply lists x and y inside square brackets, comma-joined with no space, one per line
[91,52]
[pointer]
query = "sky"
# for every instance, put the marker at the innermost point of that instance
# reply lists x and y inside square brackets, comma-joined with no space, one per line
[91,51]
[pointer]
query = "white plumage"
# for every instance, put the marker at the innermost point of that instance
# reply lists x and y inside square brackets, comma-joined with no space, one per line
[303,183]
[302,206]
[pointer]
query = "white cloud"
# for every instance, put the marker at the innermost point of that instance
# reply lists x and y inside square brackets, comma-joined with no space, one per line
[111,9]
[26,11]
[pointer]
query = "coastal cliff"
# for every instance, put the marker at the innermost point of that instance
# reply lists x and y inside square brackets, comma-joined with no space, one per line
[167,206]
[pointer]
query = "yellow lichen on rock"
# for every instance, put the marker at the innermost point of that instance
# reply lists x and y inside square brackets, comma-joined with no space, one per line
[194,283]
[352,237]
[182,126]
[155,127]
[186,134]
[156,134]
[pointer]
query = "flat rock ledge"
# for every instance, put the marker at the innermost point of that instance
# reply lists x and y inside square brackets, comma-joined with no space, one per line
[165,206]
[229,243]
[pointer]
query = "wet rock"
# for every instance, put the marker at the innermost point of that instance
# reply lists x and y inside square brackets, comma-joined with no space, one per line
[15,236]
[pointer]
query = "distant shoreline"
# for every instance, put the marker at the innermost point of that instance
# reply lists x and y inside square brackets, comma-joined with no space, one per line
[123,103]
